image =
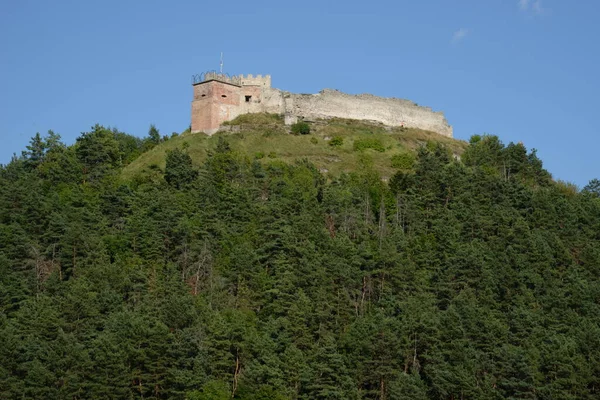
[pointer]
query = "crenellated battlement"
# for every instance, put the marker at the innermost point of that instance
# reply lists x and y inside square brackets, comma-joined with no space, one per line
[258,80]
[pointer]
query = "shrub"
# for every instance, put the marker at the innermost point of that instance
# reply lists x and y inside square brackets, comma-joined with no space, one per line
[259,155]
[336,141]
[403,161]
[300,128]
[314,140]
[272,155]
[369,143]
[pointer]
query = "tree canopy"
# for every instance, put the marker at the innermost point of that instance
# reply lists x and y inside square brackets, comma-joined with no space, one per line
[475,278]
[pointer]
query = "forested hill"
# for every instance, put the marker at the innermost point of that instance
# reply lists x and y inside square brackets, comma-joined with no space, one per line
[252,278]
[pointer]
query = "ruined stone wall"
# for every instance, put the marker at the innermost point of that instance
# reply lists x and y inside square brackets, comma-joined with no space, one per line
[388,111]
[267,100]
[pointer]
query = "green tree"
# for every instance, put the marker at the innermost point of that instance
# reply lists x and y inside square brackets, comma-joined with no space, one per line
[98,151]
[592,188]
[153,135]
[179,170]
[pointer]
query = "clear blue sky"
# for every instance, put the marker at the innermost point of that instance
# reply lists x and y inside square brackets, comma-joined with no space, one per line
[523,70]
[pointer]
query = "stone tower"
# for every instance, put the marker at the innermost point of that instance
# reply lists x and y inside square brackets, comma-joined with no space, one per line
[220,97]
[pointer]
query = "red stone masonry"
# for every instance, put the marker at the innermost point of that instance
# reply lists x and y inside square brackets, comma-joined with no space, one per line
[214,103]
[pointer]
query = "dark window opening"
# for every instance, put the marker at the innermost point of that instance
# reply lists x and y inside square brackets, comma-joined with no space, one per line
[223,95]
[203,95]
[248,99]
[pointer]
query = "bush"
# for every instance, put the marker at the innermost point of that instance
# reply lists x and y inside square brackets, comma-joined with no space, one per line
[272,155]
[259,155]
[314,140]
[300,128]
[336,141]
[369,143]
[403,161]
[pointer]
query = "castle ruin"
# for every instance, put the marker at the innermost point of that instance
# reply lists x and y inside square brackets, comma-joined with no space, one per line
[219,97]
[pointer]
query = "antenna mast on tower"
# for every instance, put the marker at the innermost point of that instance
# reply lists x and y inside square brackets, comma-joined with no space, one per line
[221,62]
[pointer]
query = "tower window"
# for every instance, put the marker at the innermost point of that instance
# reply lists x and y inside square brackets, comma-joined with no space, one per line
[248,98]
[223,95]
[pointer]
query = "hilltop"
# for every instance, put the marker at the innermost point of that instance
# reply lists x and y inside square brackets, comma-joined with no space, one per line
[265,137]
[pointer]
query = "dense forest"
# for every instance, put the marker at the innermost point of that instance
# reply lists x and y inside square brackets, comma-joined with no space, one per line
[470,278]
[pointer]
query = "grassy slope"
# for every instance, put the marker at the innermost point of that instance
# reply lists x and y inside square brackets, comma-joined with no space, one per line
[265,135]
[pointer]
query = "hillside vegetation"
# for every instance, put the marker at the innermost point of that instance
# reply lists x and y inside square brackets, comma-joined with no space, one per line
[221,276]
[265,137]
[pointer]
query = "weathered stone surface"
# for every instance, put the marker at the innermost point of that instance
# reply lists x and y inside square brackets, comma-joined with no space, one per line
[216,102]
